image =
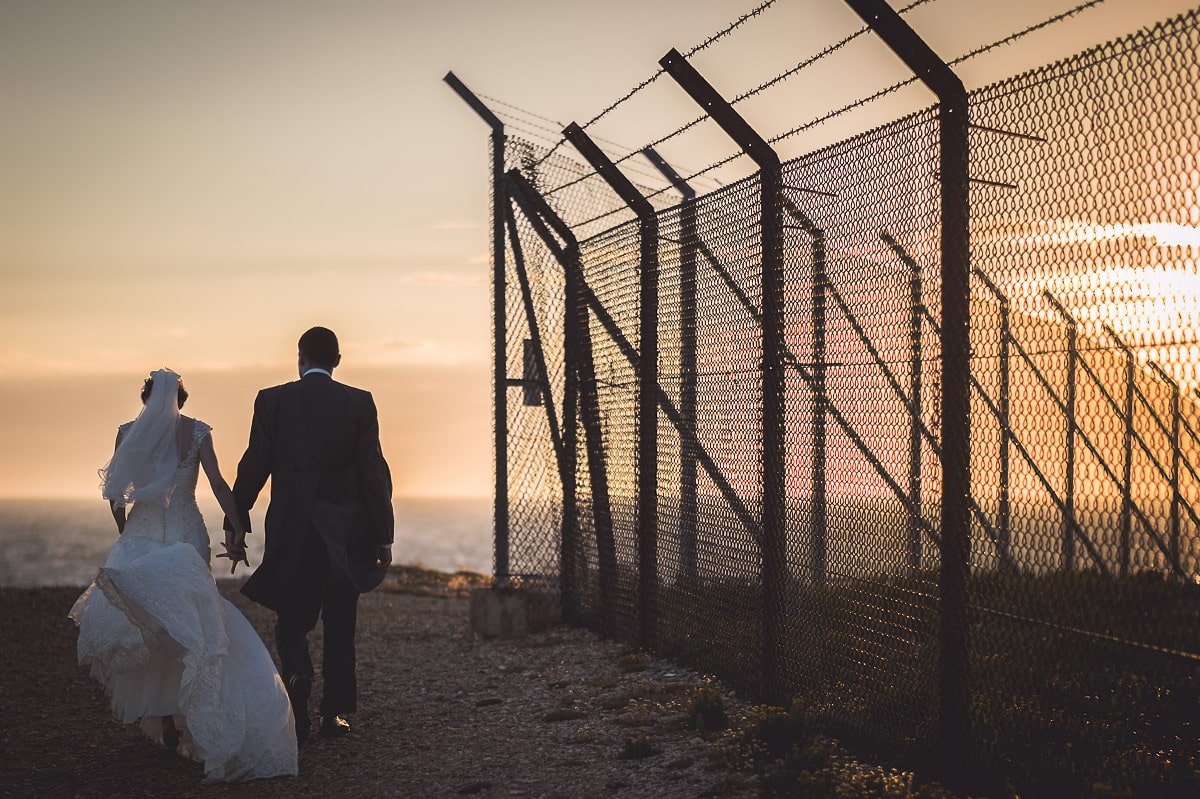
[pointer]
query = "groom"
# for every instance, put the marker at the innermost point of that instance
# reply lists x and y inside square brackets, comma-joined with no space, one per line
[329,525]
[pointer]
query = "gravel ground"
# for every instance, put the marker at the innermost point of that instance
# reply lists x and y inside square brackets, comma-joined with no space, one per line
[559,713]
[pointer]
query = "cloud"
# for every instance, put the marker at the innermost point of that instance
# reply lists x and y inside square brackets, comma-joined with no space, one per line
[435,420]
[443,279]
[1168,234]
[413,352]
[1052,232]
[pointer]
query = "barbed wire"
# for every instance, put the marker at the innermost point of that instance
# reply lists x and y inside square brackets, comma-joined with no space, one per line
[843,109]
[909,81]
[1012,37]
[753,13]
[827,51]
[521,110]
[817,57]
[530,133]
[533,129]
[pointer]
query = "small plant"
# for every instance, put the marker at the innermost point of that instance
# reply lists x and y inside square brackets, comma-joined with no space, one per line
[771,732]
[563,714]
[794,761]
[639,748]
[632,662]
[706,710]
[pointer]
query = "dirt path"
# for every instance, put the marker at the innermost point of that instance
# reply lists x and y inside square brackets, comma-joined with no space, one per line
[442,713]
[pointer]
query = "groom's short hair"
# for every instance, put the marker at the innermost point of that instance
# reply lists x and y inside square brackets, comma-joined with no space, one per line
[319,346]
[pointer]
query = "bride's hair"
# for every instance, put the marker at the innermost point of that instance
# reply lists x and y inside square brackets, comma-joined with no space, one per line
[148,385]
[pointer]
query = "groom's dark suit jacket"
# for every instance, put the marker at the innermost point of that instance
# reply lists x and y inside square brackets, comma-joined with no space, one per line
[318,441]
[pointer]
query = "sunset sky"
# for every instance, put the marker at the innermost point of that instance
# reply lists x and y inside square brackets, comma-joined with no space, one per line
[192,184]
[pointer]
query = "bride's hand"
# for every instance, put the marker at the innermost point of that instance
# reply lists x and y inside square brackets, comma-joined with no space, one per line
[236,554]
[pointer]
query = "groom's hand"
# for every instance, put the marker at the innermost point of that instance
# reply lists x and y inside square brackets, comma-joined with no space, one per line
[235,550]
[383,557]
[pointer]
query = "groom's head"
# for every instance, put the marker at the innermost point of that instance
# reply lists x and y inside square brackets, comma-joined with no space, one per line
[318,348]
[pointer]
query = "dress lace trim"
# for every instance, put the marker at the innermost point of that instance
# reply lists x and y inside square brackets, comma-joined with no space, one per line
[200,432]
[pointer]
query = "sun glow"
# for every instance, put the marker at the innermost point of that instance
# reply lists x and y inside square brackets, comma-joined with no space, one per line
[1137,281]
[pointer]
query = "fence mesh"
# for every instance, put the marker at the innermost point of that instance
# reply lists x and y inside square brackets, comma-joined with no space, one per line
[1084,329]
[1084,616]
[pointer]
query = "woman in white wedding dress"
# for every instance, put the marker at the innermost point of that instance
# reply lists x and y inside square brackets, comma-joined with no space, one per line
[167,647]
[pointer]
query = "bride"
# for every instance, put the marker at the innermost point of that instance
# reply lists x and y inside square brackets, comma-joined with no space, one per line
[167,647]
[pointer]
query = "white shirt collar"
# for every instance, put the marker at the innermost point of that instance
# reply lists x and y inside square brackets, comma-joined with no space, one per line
[318,370]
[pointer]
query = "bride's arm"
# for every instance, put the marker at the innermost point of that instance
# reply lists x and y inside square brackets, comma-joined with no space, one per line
[118,511]
[235,540]
[118,516]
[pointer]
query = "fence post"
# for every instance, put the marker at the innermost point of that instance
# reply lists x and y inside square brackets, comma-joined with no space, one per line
[818,557]
[564,443]
[820,444]
[1068,534]
[914,433]
[1068,544]
[1176,457]
[1004,513]
[569,557]
[819,408]
[499,326]
[579,341]
[1127,449]
[647,374]
[956,370]
[917,313]
[773,351]
[688,457]
[1003,415]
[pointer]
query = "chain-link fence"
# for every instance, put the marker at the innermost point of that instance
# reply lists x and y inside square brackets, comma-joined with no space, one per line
[1083,609]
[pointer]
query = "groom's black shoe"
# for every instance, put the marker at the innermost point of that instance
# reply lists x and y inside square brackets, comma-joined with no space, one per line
[333,727]
[298,688]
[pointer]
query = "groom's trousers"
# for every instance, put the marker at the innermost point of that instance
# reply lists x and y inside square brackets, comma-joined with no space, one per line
[316,595]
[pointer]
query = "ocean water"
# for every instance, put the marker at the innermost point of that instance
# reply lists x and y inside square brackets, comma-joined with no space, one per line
[47,542]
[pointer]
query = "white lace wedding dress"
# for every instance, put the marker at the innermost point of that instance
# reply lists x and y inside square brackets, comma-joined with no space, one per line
[164,642]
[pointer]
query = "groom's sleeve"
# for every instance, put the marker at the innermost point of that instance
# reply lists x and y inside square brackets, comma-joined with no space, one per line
[376,476]
[255,465]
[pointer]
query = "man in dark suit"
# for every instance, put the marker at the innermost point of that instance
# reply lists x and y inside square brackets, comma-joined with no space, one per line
[329,525]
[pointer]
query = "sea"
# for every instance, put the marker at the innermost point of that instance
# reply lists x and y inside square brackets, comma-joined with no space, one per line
[62,542]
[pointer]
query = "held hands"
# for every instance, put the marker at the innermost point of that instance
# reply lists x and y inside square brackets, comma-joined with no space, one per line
[235,550]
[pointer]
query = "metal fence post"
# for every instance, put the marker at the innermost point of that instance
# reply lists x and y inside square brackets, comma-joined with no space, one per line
[956,370]
[1003,412]
[1068,541]
[1176,458]
[916,368]
[564,443]
[499,327]
[688,457]
[1004,513]
[773,546]
[819,290]
[1126,544]
[579,342]
[569,557]
[916,426]
[1069,523]
[647,401]
[820,401]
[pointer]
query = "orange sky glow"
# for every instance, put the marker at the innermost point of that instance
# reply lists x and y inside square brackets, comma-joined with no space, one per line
[193,185]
